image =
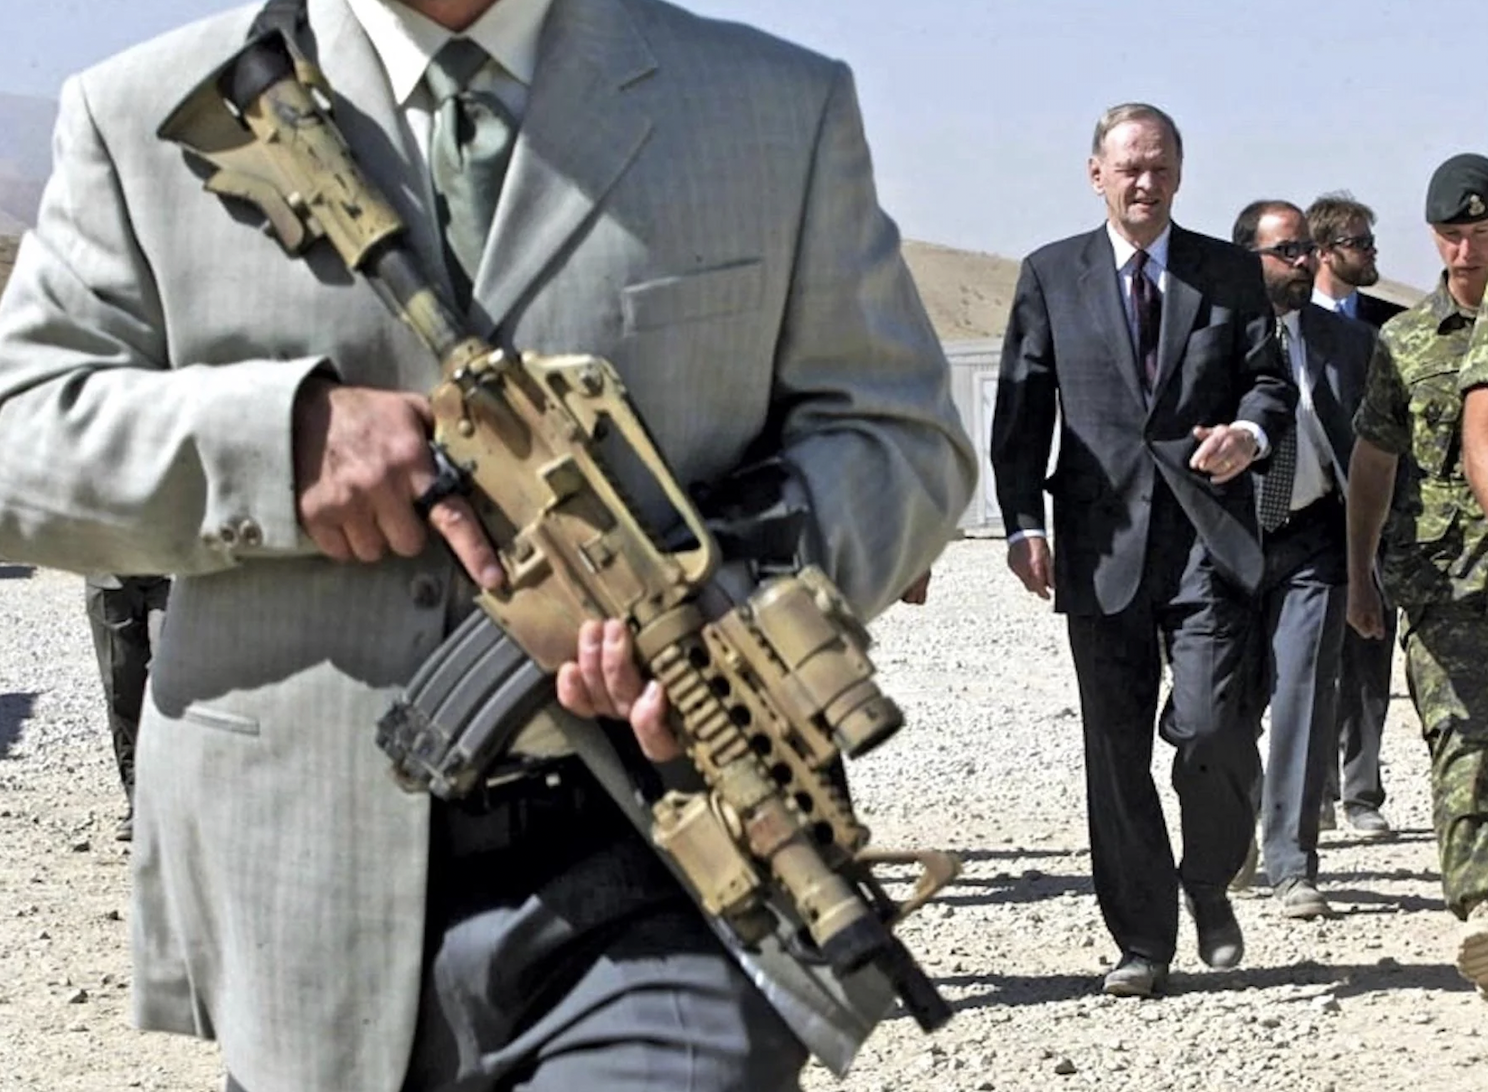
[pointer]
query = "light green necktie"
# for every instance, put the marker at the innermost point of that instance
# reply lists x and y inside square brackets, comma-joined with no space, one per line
[468,153]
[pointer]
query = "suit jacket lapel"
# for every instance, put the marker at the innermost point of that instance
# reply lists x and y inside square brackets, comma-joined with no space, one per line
[1322,376]
[1100,287]
[1181,303]
[581,131]
[374,127]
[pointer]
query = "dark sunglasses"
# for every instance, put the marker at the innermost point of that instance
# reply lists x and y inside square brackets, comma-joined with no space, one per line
[1355,242]
[1290,250]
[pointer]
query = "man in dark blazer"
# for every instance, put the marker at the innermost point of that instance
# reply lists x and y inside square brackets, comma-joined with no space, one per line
[1303,596]
[1156,347]
[1348,259]
[1342,227]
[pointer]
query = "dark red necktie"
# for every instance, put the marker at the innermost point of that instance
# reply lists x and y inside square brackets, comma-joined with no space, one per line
[1147,307]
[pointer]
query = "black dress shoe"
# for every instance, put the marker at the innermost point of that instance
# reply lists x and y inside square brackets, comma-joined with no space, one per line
[1220,941]
[1135,976]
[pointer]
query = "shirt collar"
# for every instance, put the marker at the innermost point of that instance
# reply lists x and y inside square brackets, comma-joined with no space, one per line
[1347,305]
[1157,253]
[1292,320]
[406,41]
[1449,316]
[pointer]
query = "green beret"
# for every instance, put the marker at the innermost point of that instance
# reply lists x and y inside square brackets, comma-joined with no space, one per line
[1458,193]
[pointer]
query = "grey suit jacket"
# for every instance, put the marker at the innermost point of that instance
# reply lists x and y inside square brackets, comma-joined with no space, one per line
[690,199]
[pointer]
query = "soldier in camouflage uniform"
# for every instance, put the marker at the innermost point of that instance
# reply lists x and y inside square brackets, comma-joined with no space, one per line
[1436,539]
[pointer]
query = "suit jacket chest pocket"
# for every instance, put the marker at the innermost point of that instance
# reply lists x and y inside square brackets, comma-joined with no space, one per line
[697,356]
[692,297]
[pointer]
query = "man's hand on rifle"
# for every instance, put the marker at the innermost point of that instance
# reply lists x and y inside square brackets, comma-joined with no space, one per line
[361,458]
[604,681]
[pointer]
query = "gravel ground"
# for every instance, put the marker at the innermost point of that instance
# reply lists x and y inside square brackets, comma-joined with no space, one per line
[990,766]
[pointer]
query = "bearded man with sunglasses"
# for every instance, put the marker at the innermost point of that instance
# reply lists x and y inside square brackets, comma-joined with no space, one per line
[1347,255]
[1303,593]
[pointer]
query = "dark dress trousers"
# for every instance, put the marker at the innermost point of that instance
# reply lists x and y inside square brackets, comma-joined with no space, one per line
[1303,598]
[1151,559]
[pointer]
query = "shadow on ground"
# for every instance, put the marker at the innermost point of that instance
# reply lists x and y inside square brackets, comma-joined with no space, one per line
[1013,853]
[15,711]
[996,890]
[1347,980]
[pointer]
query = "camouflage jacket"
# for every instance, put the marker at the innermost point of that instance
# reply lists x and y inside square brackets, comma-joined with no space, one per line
[1436,539]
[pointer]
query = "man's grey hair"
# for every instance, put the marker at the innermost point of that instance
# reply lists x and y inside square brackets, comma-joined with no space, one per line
[1133,111]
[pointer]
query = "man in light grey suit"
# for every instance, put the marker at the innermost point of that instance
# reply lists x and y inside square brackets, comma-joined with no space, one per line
[692,200]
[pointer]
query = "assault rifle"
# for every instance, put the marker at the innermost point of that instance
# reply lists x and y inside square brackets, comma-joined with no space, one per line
[766,690]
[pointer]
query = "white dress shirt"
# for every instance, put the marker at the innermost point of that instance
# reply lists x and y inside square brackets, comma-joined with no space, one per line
[1312,478]
[406,42]
[1349,305]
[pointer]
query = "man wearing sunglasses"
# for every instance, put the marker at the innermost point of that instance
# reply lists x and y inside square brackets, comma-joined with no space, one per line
[1436,538]
[1341,226]
[1303,593]
[1347,251]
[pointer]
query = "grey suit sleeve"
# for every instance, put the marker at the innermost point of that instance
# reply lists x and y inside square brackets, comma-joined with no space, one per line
[862,389]
[118,457]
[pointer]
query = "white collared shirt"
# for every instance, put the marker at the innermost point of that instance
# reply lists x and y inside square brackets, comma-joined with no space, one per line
[1349,305]
[406,42]
[1157,272]
[1312,478]
[1126,258]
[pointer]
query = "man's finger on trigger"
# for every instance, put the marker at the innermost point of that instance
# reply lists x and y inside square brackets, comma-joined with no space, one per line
[455,521]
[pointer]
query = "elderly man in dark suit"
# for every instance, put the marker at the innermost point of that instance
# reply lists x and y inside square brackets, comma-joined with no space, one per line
[1304,592]
[1156,346]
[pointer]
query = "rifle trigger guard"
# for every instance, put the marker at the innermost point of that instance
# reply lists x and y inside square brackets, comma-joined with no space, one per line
[449,480]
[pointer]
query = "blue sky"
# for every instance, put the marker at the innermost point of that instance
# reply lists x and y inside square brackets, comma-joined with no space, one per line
[979,111]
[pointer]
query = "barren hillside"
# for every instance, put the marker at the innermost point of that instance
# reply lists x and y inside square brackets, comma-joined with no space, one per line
[966,293]
[8,244]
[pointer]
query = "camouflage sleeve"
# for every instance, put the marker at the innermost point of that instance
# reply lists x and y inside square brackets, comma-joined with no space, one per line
[1383,417]
[1474,371]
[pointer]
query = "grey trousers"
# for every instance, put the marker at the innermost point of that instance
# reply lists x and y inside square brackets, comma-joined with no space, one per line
[603,976]
[1363,701]
[1294,668]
